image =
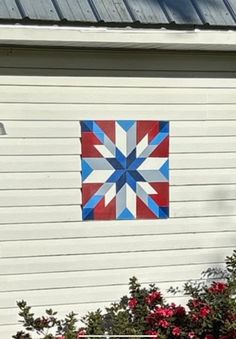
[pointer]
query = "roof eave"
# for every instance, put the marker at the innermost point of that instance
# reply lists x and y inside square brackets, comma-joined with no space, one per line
[94,37]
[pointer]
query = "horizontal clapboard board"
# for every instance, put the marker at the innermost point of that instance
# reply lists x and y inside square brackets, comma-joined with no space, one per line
[115,245]
[42,129]
[48,146]
[102,277]
[42,180]
[145,95]
[102,81]
[43,197]
[56,111]
[62,230]
[68,263]
[40,163]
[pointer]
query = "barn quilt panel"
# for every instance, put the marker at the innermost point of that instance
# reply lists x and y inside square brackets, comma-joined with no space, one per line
[125,169]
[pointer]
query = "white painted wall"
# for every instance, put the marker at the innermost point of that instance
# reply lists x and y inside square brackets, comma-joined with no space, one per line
[47,255]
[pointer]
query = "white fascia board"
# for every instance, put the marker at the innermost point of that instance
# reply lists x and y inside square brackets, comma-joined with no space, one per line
[94,37]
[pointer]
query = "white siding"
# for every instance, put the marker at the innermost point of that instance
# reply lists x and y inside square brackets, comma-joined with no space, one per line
[47,255]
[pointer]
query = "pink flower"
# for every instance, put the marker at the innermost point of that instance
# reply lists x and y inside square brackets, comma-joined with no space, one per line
[191,335]
[218,287]
[61,337]
[176,331]
[132,303]
[153,297]
[204,311]
[163,323]
[164,312]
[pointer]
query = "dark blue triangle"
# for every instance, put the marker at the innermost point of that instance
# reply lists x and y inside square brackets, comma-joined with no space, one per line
[120,182]
[164,212]
[115,163]
[164,126]
[132,183]
[88,214]
[136,175]
[86,125]
[130,159]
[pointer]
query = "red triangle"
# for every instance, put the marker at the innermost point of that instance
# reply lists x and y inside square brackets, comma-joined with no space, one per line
[102,212]
[108,127]
[144,127]
[89,140]
[88,190]
[162,150]
[143,212]
[162,196]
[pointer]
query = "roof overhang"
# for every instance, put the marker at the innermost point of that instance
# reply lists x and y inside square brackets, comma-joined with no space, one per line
[127,38]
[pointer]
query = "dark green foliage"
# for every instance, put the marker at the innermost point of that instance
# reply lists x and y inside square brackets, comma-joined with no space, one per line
[210,313]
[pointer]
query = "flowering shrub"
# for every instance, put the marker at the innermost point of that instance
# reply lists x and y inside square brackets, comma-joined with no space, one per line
[210,314]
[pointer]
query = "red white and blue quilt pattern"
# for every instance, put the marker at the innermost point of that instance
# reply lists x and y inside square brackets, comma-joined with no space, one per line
[125,169]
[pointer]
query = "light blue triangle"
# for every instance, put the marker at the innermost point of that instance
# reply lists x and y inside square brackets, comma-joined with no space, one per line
[86,170]
[98,132]
[153,206]
[126,215]
[126,124]
[165,169]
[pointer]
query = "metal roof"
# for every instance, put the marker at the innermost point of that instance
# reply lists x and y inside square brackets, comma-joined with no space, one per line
[135,13]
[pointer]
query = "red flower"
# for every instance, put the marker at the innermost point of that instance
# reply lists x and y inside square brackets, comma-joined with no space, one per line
[218,287]
[81,333]
[164,312]
[163,323]
[180,311]
[153,333]
[132,303]
[176,331]
[191,335]
[153,297]
[204,311]
[209,336]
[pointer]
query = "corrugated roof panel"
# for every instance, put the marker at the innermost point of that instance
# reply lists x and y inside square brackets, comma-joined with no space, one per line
[9,10]
[172,14]
[149,11]
[181,12]
[214,12]
[112,10]
[232,7]
[39,10]
[75,10]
